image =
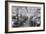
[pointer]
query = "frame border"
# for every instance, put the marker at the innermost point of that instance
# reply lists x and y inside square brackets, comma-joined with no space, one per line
[6,16]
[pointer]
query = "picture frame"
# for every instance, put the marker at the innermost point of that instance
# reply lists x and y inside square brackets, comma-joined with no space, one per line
[27,11]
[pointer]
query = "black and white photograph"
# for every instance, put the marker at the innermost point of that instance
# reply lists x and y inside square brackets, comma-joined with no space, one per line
[24,16]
